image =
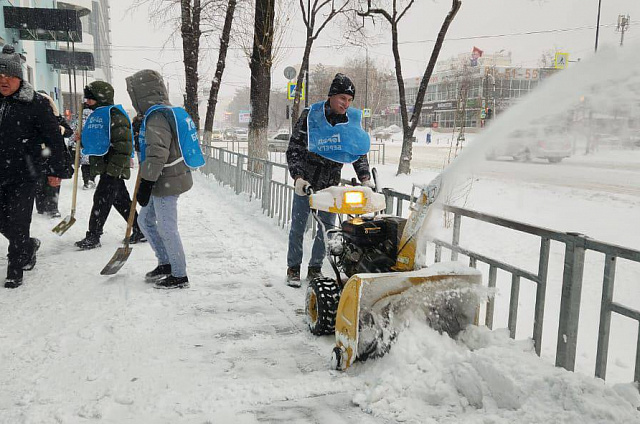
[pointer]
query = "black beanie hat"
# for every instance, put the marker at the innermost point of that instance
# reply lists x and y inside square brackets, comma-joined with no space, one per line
[88,94]
[341,84]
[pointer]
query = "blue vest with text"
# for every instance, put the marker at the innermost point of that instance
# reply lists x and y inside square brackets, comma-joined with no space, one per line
[344,142]
[187,135]
[96,132]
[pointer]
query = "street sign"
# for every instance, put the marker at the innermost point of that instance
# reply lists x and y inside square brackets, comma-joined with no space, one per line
[366,113]
[291,91]
[290,72]
[562,60]
[244,116]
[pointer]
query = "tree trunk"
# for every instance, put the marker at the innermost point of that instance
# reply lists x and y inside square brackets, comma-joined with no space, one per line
[190,31]
[261,61]
[304,67]
[222,58]
[408,128]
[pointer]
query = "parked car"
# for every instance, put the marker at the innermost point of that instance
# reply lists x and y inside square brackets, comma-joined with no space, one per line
[216,135]
[551,143]
[229,134]
[242,134]
[279,142]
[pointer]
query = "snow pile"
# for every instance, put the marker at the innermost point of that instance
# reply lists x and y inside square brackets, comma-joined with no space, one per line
[483,377]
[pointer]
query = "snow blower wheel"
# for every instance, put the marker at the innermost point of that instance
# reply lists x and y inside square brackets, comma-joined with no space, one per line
[323,296]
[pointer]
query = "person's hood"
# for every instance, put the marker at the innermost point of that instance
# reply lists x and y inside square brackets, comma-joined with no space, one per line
[146,88]
[102,92]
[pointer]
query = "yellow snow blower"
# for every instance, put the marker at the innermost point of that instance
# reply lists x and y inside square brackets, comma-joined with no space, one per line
[377,254]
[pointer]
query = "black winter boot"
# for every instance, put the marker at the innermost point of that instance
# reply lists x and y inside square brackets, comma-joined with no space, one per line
[88,243]
[32,261]
[160,272]
[172,282]
[293,276]
[14,278]
[137,237]
[314,272]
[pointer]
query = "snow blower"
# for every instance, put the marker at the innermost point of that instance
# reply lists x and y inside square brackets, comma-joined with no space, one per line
[377,254]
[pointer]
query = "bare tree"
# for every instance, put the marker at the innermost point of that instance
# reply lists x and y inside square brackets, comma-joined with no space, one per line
[310,13]
[393,18]
[190,30]
[260,65]
[220,65]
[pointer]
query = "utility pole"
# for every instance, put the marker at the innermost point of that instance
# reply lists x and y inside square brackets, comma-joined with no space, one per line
[598,24]
[623,25]
[366,90]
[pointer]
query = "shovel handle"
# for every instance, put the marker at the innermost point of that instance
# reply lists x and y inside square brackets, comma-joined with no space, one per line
[76,163]
[132,211]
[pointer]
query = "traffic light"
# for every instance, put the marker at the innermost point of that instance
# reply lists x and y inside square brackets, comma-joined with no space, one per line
[489,113]
[287,114]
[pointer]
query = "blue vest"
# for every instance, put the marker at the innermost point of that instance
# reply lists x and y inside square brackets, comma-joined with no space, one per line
[187,135]
[96,132]
[343,143]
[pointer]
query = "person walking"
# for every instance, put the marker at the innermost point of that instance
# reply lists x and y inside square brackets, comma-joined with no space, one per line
[107,140]
[168,150]
[26,121]
[47,186]
[312,167]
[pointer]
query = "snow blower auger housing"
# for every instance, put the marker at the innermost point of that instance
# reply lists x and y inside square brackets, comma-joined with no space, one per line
[377,253]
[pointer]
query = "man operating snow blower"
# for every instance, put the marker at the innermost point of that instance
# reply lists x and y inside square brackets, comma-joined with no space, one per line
[326,136]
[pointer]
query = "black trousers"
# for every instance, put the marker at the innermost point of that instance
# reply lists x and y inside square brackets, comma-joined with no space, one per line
[46,196]
[86,174]
[16,207]
[110,191]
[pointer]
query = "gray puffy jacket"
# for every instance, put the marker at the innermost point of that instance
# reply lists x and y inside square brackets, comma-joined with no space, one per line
[162,163]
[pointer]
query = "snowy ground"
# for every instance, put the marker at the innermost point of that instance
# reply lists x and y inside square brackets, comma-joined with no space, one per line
[77,347]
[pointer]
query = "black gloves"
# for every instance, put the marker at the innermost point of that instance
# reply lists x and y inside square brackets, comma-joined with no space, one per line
[144,192]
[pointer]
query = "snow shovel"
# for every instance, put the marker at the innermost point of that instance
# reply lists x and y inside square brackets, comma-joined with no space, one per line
[122,254]
[69,220]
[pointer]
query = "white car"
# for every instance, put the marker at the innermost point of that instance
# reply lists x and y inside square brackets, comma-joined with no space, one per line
[242,134]
[279,142]
[551,144]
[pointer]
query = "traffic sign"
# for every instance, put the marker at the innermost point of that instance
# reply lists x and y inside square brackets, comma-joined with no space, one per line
[290,72]
[244,116]
[562,60]
[291,91]
[366,113]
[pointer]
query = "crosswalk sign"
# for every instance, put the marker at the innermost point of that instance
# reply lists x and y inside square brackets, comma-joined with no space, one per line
[562,60]
[366,113]
[291,91]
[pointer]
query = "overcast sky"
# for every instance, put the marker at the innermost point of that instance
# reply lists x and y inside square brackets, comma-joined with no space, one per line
[491,25]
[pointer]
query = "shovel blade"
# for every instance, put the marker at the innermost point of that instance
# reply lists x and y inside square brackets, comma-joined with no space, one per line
[117,261]
[64,225]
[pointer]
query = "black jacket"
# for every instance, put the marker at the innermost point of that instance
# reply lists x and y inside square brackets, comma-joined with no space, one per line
[318,171]
[26,121]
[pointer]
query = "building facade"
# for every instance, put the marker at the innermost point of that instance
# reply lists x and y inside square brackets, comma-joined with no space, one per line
[460,94]
[47,53]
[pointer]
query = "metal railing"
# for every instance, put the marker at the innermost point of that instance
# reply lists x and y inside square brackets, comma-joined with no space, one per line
[574,261]
[257,177]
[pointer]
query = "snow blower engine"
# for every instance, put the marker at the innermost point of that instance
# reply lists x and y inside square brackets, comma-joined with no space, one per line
[377,255]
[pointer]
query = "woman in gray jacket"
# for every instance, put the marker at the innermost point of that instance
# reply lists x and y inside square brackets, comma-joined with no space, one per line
[164,177]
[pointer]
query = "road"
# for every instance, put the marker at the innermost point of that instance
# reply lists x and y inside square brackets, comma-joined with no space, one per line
[615,172]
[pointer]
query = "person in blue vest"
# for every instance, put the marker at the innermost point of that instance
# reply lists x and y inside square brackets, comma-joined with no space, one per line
[326,136]
[107,140]
[169,150]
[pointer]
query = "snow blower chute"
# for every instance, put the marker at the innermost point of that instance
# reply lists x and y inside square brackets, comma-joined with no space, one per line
[377,254]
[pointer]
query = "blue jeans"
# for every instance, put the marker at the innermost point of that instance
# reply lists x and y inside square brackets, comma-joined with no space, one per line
[159,223]
[299,216]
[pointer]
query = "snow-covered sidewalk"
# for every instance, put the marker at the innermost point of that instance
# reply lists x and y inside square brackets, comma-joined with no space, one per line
[78,347]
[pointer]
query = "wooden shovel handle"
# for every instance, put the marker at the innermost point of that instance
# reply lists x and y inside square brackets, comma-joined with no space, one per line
[132,212]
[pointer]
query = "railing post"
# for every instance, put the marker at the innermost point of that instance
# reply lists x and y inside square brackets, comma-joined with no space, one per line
[457,219]
[493,275]
[513,305]
[239,164]
[570,302]
[541,289]
[605,316]
[384,151]
[388,200]
[266,182]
